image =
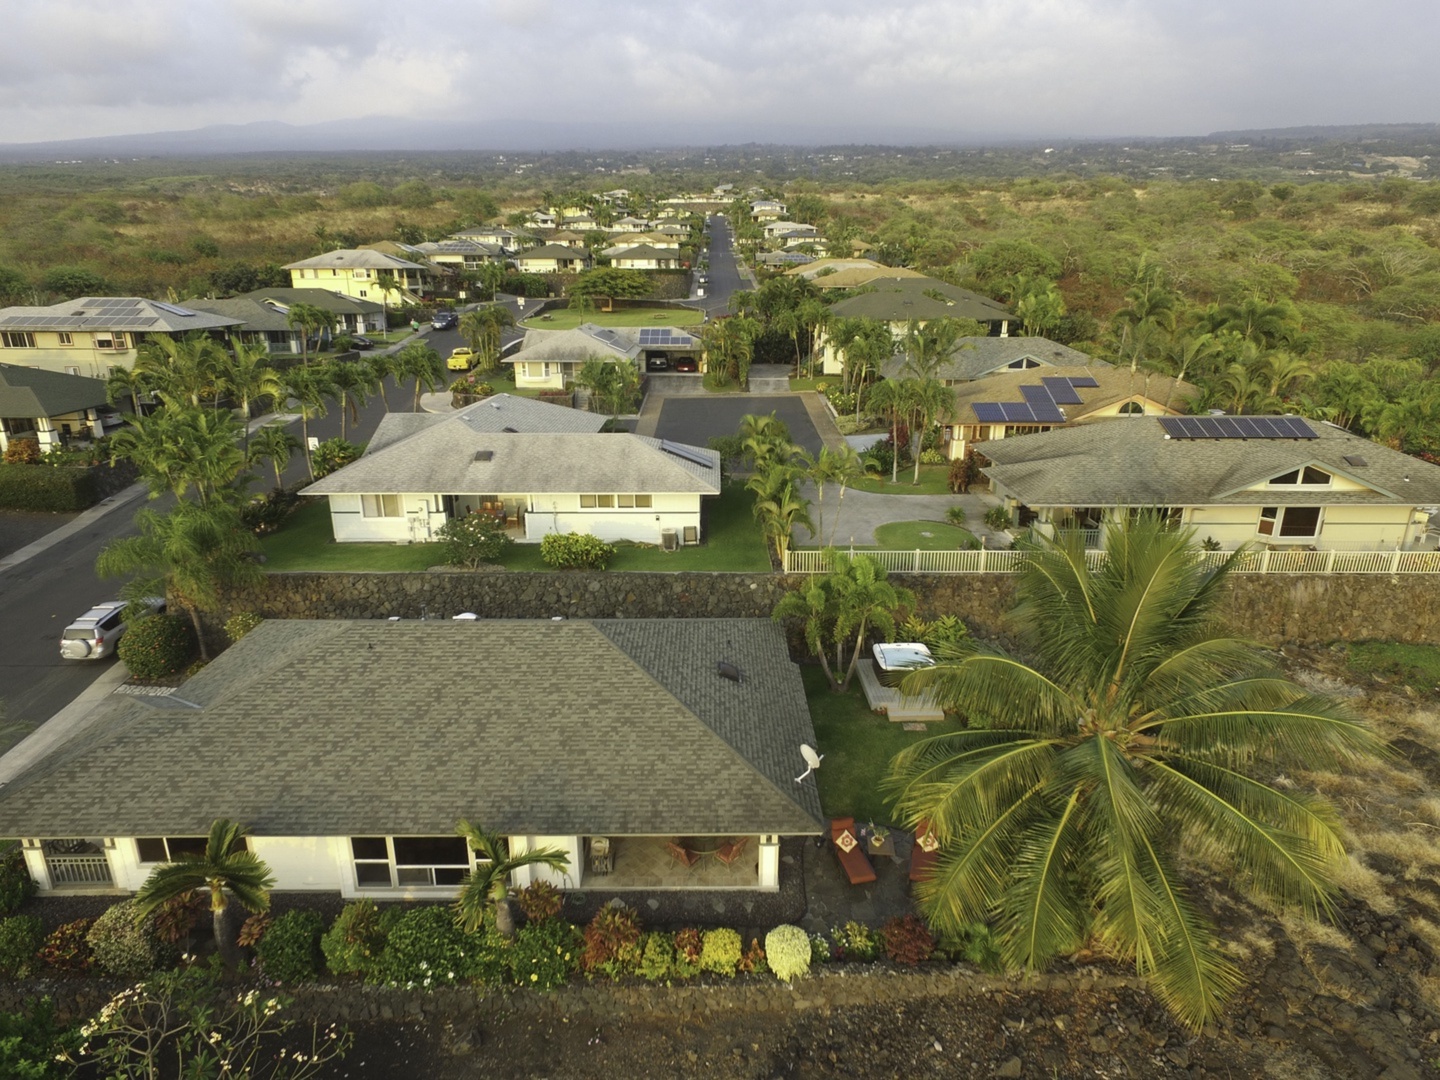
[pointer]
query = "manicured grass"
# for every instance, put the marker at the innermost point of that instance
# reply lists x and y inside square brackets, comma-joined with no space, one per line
[565,319]
[808,384]
[934,480]
[858,745]
[1416,666]
[923,535]
[732,544]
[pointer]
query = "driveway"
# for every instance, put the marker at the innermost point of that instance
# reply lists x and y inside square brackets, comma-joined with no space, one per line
[697,420]
[861,512]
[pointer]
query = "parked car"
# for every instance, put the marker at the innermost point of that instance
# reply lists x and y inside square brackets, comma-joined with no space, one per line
[686,363]
[462,359]
[96,633]
[362,343]
[657,363]
[445,320]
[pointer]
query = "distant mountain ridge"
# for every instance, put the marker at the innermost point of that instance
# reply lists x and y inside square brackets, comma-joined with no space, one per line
[1336,132]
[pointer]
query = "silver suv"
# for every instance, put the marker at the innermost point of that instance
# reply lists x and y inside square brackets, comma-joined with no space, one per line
[95,634]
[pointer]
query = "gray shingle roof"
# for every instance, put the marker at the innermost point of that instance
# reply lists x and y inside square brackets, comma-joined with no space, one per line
[975,357]
[577,345]
[494,415]
[1130,462]
[442,458]
[112,313]
[553,251]
[31,393]
[252,313]
[616,728]
[1116,385]
[904,298]
[354,258]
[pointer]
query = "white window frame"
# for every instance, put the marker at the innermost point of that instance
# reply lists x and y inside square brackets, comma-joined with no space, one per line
[1277,523]
[1300,480]
[380,506]
[169,855]
[17,339]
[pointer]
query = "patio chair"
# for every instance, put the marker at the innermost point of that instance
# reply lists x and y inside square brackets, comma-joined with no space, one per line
[683,855]
[846,845]
[731,850]
[602,859]
[925,853]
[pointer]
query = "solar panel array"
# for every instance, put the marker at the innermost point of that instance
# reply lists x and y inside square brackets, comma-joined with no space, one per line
[1237,427]
[173,309]
[1083,380]
[1041,405]
[105,313]
[1061,390]
[657,337]
[685,453]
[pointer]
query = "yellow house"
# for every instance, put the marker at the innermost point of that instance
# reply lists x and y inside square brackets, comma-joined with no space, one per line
[1269,482]
[95,334]
[553,259]
[358,273]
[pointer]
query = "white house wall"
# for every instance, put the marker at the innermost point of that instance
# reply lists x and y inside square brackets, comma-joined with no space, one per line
[421,518]
[1342,528]
[572,846]
[643,525]
[307,863]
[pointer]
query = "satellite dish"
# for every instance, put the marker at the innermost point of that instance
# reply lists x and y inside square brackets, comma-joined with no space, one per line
[812,760]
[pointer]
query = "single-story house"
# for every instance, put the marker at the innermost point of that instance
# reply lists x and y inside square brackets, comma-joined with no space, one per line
[352,315]
[553,259]
[1012,403]
[549,359]
[635,732]
[357,272]
[644,257]
[982,357]
[96,334]
[50,407]
[665,241]
[901,301]
[841,273]
[1278,482]
[774,259]
[508,239]
[618,486]
[262,323]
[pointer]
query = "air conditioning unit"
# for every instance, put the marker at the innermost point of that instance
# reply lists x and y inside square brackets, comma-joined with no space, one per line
[669,539]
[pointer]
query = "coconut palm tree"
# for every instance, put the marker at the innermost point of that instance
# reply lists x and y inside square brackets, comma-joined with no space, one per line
[350,386]
[306,389]
[420,362]
[226,869]
[123,382]
[928,401]
[382,366]
[893,398]
[489,883]
[247,376]
[838,467]
[273,443]
[188,555]
[1135,727]
[482,328]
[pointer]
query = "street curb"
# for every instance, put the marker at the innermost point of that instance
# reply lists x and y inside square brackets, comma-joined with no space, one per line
[70,528]
[62,727]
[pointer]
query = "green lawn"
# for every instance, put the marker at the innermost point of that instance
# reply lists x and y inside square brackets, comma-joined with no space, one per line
[732,543]
[809,384]
[565,319]
[1416,666]
[934,480]
[923,535]
[858,745]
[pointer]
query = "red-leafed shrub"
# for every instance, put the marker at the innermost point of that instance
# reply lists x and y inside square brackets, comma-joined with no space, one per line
[907,940]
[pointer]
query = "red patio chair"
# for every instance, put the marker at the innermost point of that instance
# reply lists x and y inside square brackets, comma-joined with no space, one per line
[848,850]
[731,850]
[683,855]
[925,853]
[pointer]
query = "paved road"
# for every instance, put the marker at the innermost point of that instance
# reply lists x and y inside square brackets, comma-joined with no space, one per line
[724,274]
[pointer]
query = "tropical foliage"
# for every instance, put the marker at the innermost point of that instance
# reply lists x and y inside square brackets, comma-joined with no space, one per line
[487,887]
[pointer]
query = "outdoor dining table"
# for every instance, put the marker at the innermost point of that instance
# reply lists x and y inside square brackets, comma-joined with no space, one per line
[877,843]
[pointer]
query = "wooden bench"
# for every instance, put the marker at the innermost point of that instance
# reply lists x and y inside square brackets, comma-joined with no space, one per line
[853,860]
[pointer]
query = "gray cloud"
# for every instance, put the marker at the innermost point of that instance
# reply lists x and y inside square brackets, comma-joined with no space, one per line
[985,67]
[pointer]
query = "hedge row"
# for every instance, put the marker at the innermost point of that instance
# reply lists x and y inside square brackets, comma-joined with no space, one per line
[58,490]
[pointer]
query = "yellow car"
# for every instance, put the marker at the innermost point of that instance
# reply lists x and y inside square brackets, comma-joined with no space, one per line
[461,360]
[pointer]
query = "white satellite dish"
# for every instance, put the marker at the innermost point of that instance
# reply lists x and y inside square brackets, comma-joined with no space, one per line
[812,760]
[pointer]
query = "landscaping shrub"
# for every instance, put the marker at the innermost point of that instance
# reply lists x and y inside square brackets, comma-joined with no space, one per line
[657,957]
[473,540]
[33,1044]
[854,941]
[997,518]
[975,944]
[753,961]
[289,951]
[955,515]
[575,551]
[16,884]
[820,949]
[787,950]
[157,646]
[21,937]
[540,901]
[544,954]
[688,947]
[907,939]
[946,630]
[720,951]
[932,457]
[426,948]
[240,624]
[177,918]
[356,939]
[28,487]
[612,943]
[66,948]
[126,947]
[22,452]
[333,454]
[266,513]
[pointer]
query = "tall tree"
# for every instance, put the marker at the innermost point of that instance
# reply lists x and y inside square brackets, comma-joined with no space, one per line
[273,443]
[481,329]
[926,346]
[350,385]
[306,389]
[489,883]
[928,402]
[779,505]
[181,370]
[180,447]
[892,398]
[225,869]
[1132,729]
[247,376]
[123,382]
[839,467]
[420,362]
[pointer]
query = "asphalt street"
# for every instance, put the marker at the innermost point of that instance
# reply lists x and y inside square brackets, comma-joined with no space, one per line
[724,273]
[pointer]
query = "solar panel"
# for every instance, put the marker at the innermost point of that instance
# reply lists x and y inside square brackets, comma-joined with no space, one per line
[174,309]
[989,412]
[1082,380]
[1062,391]
[695,457]
[1237,427]
[1047,413]
[1036,395]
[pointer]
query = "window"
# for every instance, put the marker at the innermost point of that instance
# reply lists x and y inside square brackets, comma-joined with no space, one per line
[385,862]
[364,293]
[381,506]
[104,339]
[163,849]
[1023,364]
[18,339]
[1132,408]
[65,337]
[628,501]
[1306,477]
[1295,522]
[362,273]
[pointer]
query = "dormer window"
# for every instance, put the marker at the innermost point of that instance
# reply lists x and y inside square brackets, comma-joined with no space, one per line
[1306,477]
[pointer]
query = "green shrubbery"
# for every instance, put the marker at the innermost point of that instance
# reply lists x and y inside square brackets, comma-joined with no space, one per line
[16,884]
[266,513]
[240,624]
[20,939]
[126,946]
[66,949]
[543,955]
[157,646]
[474,540]
[721,951]
[356,939]
[425,948]
[575,551]
[290,950]
[997,518]
[612,943]
[787,950]
[854,941]
[58,491]
[657,957]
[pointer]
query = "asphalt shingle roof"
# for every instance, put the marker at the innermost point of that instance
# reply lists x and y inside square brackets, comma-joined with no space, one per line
[577,345]
[354,258]
[341,728]
[1116,385]
[899,299]
[494,414]
[31,393]
[1130,462]
[112,313]
[975,357]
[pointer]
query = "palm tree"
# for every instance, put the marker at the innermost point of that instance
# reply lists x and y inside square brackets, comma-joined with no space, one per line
[489,882]
[1063,807]
[779,506]
[181,369]
[178,447]
[838,467]
[382,366]
[309,319]
[187,555]
[123,382]
[765,440]
[350,385]
[307,389]
[893,397]
[929,401]
[248,376]
[226,868]
[422,363]
[275,444]
[482,328]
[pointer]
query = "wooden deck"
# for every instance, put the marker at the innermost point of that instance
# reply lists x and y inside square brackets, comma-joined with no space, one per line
[897,706]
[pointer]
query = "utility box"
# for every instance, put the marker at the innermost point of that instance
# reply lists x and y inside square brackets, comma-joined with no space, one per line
[669,539]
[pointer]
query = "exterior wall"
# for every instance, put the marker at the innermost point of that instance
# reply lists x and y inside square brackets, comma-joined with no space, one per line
[422,516]
[533,374]
[81,357]
[308,863]
[1343,528]
[572,846]
[644,525]
[359,283]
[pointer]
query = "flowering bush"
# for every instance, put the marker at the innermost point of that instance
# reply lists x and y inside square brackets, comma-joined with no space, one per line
[657,957]
[544,954]
[854,941]
[240,624]
[354,942]
[907,940]
[612,943]
[290,950]
[575,551]
[426,948]
[126,946]
[473,540]
[156,646]
[539,901]
[22,452]
[820,949]
[20,939]
[688,948]
[720,951]
[787,949]
[66,948]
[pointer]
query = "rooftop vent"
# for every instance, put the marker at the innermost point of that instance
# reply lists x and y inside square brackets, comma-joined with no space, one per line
[727,670]
[1355,460]
[511,431]
[484,455]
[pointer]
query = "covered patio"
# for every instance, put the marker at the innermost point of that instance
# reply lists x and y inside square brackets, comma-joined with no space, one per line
[647,862]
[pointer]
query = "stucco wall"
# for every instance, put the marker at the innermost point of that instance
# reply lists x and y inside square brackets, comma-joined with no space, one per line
[1274,609]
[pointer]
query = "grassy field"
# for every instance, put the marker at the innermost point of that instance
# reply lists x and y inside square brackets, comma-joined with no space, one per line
[1416,666]
[924,536]
[858,745]
[732,544]
[565,319]
[934,480]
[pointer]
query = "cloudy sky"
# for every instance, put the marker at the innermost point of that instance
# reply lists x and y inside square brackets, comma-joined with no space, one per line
[841,68]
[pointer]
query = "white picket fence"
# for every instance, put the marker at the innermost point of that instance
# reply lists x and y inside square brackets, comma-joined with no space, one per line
[810,561]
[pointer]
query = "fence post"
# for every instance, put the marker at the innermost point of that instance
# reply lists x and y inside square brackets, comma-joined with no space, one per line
[917,562]
[1395,560]
[1265,561]
[1330,561]
[984,554]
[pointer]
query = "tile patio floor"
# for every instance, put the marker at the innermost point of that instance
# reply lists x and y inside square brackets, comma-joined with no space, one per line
[643,862]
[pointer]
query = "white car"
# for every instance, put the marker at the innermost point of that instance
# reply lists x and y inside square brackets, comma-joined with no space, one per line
[95,634]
